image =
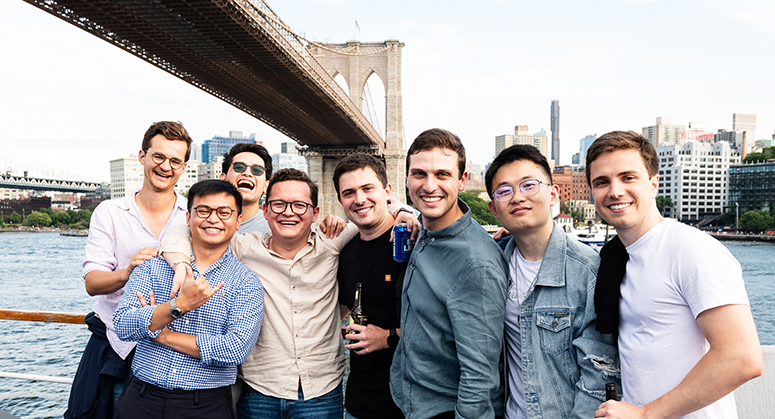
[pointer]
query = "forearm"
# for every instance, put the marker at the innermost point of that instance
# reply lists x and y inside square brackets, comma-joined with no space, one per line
[734,357]
[181,342]
[105,282]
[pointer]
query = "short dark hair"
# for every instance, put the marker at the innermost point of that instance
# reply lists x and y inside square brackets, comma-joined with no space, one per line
[438,138]
[284,175]
[256,149]
[357,161]
[212,187]
[518,152]
[624,140]
[173,131]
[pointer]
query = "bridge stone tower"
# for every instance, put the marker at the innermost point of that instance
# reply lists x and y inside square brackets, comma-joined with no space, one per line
[356,62]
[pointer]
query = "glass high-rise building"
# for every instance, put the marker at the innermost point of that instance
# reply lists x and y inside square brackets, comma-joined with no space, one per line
[217,145]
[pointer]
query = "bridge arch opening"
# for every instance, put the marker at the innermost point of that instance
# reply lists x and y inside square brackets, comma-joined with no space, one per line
[374,102]
[342,82]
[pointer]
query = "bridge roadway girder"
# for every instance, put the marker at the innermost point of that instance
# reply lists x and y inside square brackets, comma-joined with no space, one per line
[38,184]
[236,50]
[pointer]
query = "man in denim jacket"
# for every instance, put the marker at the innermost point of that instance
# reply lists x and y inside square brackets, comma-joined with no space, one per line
[557,363]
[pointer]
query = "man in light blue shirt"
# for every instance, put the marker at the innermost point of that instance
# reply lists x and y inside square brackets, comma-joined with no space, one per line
[453,298]
[557,363]
[248,167]
[189,346]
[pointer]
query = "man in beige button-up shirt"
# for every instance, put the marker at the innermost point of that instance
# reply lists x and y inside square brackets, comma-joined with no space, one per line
[297,364]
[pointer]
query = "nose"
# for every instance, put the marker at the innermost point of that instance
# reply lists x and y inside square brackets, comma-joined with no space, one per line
[359,197]
[616,189]
[430,184]
[288,210]
[166,165]
[210,217]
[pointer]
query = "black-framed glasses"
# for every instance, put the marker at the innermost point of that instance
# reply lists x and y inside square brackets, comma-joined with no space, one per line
[203,212]
[160,158]
[278,206]
[527,187]
[256,169]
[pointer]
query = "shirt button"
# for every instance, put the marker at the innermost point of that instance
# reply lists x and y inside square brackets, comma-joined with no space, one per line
[174,370]
[186,321]
[433,239]
[554,323]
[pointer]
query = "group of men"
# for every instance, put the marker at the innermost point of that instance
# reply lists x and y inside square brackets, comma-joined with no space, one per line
[464,329]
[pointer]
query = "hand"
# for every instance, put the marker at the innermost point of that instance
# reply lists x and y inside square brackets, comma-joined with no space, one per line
[332,226]
[412,224]
[180,277]
[369,338]
[500,234]
[195,292]
[146,253]
[619,410]
[144,303]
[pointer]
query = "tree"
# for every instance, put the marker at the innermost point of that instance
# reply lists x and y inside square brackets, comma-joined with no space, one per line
[479,209]
[15,218]
[662,202]
[60,217]
[755,221]
[37,218]
[577,213]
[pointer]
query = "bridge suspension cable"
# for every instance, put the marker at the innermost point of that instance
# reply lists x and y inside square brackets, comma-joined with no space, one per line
[264,10]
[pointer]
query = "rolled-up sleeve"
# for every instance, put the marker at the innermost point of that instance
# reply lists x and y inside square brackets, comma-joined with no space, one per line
[99,254]
[476,307]
[130,320]
[243,326]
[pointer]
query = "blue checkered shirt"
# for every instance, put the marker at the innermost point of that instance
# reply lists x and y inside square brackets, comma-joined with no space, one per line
[226,326]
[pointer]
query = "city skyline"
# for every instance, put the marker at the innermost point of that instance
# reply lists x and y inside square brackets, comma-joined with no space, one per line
[66,91]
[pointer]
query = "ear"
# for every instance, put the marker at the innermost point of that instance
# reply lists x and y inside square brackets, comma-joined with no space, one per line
[188,219]
[493,209]
[141,157]
[462,186]
[222,176]
[654,185]
[239,221]
[554,191]
[388,189]
[315,214]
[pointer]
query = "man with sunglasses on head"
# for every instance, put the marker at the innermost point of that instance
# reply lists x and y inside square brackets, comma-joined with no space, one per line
[248,167]
[123,234]
[189,346]
[557,363]
[296,367]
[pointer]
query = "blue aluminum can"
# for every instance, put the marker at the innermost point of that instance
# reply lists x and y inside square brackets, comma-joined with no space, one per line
[402,243]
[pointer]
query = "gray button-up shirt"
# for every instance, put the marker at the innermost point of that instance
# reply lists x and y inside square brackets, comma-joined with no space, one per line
[452,310]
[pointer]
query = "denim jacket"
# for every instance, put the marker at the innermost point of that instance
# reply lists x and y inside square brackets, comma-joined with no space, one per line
[452,310]
[566,363]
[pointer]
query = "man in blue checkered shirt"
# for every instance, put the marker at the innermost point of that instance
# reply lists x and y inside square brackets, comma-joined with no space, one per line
[188,348]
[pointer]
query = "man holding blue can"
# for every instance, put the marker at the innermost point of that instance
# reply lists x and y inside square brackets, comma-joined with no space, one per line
[363,190]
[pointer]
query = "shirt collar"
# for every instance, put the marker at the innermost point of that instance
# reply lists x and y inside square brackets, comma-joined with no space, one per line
[453,229]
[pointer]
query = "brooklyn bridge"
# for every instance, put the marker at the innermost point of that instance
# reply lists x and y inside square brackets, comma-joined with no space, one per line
[241,52]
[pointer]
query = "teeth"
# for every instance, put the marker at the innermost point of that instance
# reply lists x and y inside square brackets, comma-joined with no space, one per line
[618,206]
[361,210]
[431,199]
[213,230]
[245,184]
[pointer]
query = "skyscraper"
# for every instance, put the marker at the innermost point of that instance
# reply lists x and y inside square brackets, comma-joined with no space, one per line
[217,146]
[555,128]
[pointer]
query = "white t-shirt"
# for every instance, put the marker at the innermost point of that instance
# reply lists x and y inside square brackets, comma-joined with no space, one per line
[523,274]
[674,273]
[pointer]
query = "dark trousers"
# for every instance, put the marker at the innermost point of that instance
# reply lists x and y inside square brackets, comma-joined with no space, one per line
[143,400]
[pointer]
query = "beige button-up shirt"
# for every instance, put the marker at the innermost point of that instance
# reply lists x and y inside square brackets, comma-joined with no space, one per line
[300,339]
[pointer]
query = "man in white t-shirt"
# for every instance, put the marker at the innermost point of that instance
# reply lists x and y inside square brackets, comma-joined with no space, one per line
[558,365]
[686,335]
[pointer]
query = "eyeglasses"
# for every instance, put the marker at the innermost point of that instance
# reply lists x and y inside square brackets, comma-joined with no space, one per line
[256,170]
[278,206]
[527,187]
[159,158]
[203,212]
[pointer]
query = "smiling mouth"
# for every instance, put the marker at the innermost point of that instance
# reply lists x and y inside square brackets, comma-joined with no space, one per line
[619,206]
[430,199]
[362,210]
[212,229]
[166,176]
[246,184]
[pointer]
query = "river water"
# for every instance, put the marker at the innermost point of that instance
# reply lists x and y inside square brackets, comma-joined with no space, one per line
[42,271]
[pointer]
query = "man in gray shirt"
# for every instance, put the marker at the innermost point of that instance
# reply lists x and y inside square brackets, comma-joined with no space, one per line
[248,167]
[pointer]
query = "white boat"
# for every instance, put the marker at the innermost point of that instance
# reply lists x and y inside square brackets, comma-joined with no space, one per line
[595,235]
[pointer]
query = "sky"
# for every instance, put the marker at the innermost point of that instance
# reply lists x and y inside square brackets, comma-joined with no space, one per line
[73,102]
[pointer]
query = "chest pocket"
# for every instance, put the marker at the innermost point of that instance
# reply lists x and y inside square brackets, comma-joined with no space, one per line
[554,331]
